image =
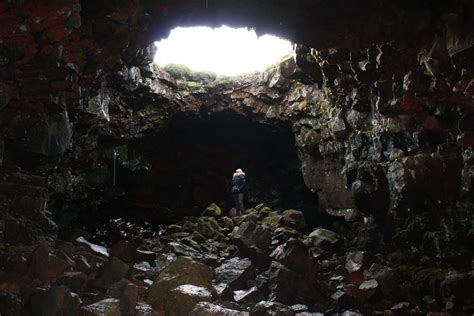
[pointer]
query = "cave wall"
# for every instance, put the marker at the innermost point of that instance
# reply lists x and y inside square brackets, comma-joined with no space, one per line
[379,94]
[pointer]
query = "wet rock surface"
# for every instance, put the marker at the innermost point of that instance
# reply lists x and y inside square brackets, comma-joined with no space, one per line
[361,141]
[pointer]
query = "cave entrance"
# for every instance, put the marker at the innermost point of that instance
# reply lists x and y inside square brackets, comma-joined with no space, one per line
[193,158]
[224,51]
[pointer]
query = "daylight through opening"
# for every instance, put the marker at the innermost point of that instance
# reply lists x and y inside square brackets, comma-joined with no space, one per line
[224,50]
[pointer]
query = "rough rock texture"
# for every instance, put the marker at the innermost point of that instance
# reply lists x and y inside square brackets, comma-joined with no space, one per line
[377,95]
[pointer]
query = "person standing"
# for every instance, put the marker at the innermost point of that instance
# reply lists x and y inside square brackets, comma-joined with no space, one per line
[238,185]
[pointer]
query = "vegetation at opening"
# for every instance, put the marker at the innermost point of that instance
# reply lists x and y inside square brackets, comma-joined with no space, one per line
[182,72]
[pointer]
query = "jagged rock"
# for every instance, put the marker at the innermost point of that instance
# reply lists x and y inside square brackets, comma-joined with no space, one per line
[324,238]
[292,287]
[207,226]
[182,271]
[248,297]
[212,210]
[294,219]
[123,250]
[182,299]
[127,294]
[209,309]
[253,240]
[106,307]
[111,272]
[384,276]
[264,308]
[232,275]
[75,281]
[48,135]
[55,301]
[370,288]
[45,265]
[356,260]
[295,256]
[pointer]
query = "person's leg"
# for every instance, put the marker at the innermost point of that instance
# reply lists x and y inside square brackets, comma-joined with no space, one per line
[241,203]
[236,202]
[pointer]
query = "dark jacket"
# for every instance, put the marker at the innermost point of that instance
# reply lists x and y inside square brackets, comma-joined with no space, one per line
[238,183]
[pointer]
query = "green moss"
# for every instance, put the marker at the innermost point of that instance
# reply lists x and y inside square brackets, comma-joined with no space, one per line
[272,221]
[185,73]
[419,280]
[212,210]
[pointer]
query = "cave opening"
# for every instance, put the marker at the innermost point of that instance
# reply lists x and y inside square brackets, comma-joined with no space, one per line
[225,51]
[191,161]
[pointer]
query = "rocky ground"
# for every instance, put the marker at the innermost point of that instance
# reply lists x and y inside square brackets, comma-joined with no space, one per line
[262,263]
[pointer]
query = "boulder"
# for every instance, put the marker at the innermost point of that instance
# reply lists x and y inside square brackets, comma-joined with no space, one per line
[73,280]
[253,240]
[233,274]
[55,301]
[111,272]
[106,307]
[357,260]
[127,294]
[209,309]
[265,308]
[294,219]
[291,287]
[212,210]
[45,265]
[384,276]
[325,238]
[295,256]
[248,297]
[182,299]
[182,271]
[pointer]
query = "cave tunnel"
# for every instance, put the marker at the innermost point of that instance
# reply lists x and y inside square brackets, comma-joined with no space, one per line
[192,160]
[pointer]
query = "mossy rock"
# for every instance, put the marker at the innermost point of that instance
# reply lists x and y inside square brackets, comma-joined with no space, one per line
[250,210]
[174,228]
[189,226]
[227,222]
[197,237]
[272,221]
[212,210]
[294,219]
[207,226]
[265,211]
[179,235]
[259,206]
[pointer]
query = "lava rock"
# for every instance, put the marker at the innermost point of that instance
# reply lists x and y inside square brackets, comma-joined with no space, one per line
[55,301]
[384,276]
[212,210]
[107,307]
[294,219]
[45,265]
[253,240]
[325,238]
[48,135]
[75,281]
[295,255]
[233,274]
[248,297]
[182,299]
[111,272]
[209,309]
[127,294]
[182,271]
[265,308]
[356,260]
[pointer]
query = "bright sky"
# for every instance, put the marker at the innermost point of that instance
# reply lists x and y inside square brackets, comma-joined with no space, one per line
[224,50]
